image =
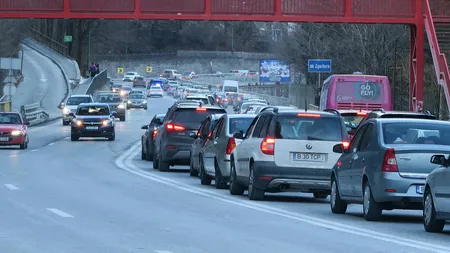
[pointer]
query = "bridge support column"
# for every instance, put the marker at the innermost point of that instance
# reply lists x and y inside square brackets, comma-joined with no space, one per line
[416,71]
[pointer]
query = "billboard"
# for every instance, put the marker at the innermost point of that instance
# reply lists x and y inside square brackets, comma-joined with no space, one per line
[272,71]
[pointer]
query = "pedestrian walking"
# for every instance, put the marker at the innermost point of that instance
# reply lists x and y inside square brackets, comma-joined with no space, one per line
[97,67]
[93,70]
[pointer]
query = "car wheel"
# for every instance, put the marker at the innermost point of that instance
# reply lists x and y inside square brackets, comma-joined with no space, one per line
[205,179]
[122,118]
[253,192]
[192,172]
[112,137]
[371,209]
[320,195]
[220,182]
[74,137]
[163,166]
[148,155]
[337,204]
[145,108]
[155,161]
[24,144]
[235,187]
[143,154]
[65,123]
[430,223]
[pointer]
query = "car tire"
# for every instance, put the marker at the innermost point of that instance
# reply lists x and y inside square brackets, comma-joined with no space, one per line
[24,145]
[65,123]
[192,171]
[143,154]
[253,192]
[205,179]
[220,181]
[430,223]
[235,187]
[122,118]
[148,155]
[163,166]
[371,209]
[320,195]
[145,108]
[338,206]
[112,137]
[155,161]
[74,137]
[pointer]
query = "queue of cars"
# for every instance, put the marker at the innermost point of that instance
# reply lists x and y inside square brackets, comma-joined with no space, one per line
[382,160]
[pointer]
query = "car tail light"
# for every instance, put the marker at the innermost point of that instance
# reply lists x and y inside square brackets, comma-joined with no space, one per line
[174,128]
[154,134]
[361,113]
[389,161]
[268,146]
[309,115]
[230,146]
[200,109]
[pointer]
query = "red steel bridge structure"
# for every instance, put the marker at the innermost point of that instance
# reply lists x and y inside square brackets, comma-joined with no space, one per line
[429,18]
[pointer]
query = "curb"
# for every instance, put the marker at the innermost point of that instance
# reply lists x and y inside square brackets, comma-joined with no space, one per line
[57,64]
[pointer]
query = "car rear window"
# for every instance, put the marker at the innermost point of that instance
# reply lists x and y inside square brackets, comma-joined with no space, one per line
[237,124]
[130,74]
[155,87]
[191,118]
[245,106]
[406,116]
[416,133]
[308,127]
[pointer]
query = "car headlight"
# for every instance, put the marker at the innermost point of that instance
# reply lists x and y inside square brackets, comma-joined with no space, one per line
[79,122]
[66,110]
[123,93]
[121,106]
[129,102]
[16,133]
[106,122]
[144,102]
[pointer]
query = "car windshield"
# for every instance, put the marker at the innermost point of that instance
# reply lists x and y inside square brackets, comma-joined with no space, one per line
[10,118]
[416,133]
[78,100]
[308,128]
[137,96]
[93,110]
[191,118]
[130,74]
[230,89]
[352,120]
[239,124]
[108,98]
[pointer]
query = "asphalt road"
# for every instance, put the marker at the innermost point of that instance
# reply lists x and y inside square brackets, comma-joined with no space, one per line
[98,196]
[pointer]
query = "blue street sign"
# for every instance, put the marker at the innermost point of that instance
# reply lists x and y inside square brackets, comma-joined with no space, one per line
[319,66]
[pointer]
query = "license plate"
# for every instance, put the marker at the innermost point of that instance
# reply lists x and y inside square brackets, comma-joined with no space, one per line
[4,139]
[308,157]
[419,189]
[91,127]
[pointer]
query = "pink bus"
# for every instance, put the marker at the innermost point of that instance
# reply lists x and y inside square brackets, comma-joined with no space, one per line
[356,92]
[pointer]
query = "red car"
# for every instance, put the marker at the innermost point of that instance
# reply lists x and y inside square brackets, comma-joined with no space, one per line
[13,130]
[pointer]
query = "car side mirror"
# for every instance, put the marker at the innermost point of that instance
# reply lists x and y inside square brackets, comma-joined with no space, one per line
[238,134]
[71,114]
[338,148]
[26,123]
[439,159]
[145,127]
[193,135]
[114,114]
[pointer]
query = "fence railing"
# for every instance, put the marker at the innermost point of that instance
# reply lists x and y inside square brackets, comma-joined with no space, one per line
[34,113]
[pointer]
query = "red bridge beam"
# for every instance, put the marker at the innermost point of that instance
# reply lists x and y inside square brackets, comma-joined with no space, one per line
[326,11]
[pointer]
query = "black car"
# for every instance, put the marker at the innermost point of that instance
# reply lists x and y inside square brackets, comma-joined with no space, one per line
[172,141]
[115,102]
[93,120]
[139,81]
[148,138]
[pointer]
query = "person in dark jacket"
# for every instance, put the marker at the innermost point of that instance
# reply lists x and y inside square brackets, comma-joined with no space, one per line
[92,70]
[97,67]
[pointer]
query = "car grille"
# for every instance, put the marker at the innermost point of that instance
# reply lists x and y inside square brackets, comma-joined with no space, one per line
[92,123]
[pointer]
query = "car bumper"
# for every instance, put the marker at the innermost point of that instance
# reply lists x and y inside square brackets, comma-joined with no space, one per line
[225,167]
[155,94]
[12,140]
[137,105]
[101,132]
[176,154]
[270,177]
[399,191]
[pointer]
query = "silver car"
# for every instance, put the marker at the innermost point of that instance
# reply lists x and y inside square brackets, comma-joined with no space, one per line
[436,198]
[216,152]
[386,165]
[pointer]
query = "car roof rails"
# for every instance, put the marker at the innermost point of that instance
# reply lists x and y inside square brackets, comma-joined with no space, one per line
[333,111]
[378,110]
[274,108]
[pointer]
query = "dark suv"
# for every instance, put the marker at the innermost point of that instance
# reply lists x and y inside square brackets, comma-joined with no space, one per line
[148,138]
[139,81]
[93,120]
[172,141]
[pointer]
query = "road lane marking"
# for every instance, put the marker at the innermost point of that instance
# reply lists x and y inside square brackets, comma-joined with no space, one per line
[12,187]
[60,213]
[163,251]
[34,150]
[124,162]
[13,155]
[51,144]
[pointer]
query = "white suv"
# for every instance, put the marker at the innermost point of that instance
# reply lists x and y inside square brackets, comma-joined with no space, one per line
[71,105]
[287,150]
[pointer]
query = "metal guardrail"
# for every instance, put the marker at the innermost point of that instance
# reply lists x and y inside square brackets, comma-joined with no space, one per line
[34,113]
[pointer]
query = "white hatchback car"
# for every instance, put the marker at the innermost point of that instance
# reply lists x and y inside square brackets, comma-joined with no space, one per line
[287,150]
[155,91]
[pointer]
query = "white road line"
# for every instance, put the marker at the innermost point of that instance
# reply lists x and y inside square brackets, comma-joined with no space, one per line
[51,144]
[68,137]
[13,155]
[12,187]
[34,150]
[125,162]
[163,251]
[60,213]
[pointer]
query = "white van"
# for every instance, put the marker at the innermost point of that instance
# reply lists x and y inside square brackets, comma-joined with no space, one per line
[230,86]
